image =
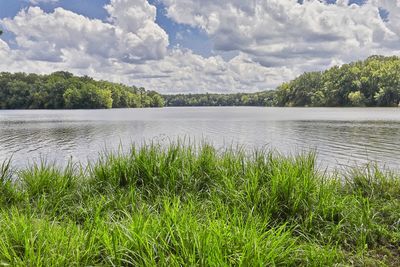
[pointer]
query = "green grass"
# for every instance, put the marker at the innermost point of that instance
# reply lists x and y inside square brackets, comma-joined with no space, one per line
[195,206]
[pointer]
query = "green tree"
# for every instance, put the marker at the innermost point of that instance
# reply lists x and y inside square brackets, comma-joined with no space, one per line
[64,90]
[73,98]
[157,101]
[88,96]
[357,99]
[19,95]
[374,81]
[245,100]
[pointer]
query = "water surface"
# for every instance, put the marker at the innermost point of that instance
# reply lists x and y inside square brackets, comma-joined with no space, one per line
[340,136]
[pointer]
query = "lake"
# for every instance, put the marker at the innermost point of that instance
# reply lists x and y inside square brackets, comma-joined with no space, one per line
[340,136]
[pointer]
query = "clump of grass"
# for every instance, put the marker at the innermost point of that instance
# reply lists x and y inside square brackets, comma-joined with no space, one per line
[194,205]
[8,194]
[372,182]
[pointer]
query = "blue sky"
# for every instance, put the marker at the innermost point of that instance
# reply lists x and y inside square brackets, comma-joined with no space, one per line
[179,34]
[182,46]
[188,37]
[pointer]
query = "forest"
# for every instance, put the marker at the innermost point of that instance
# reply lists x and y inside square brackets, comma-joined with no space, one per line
[63,90]
[265,98]
[369,83]
[372,82]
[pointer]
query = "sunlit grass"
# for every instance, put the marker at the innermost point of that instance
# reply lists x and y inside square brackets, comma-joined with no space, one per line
[193,205]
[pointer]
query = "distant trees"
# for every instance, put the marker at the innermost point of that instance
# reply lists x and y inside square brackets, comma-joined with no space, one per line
[357,98]
[265,98]
[88,96]
[62,90]
[373,82]
[155,99]
[301,91]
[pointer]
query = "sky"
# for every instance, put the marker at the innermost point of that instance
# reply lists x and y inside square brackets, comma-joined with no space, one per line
[194,46]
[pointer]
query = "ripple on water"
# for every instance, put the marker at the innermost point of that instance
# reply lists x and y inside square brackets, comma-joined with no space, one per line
[341,137]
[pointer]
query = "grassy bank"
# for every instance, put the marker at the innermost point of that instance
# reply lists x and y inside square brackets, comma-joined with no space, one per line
[193,206]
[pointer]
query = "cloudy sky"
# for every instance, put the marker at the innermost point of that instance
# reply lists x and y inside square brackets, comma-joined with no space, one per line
[194,46]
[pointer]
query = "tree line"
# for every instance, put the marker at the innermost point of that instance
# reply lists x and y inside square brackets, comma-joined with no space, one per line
[63,90]
[265,98]
[372,82]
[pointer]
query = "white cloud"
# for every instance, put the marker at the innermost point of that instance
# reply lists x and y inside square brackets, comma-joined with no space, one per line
[36,2]
[4,50]
[129,48]
[50,36]
[180,71]
[273,41]
[184,71]
[286,33]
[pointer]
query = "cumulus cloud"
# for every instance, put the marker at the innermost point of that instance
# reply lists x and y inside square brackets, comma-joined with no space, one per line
[283,33]
[129,47]
[184,71]
[180,71]
[4,50]
[273,41]
[51,36]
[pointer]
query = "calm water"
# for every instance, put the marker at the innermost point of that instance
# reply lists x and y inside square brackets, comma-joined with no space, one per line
[341,136]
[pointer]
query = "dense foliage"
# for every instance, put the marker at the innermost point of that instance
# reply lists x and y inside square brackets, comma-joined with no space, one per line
[242,99]
[62,90]
[189,206]
[373,82]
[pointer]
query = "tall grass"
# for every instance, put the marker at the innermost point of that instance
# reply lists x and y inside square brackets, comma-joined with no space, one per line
[193,205]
